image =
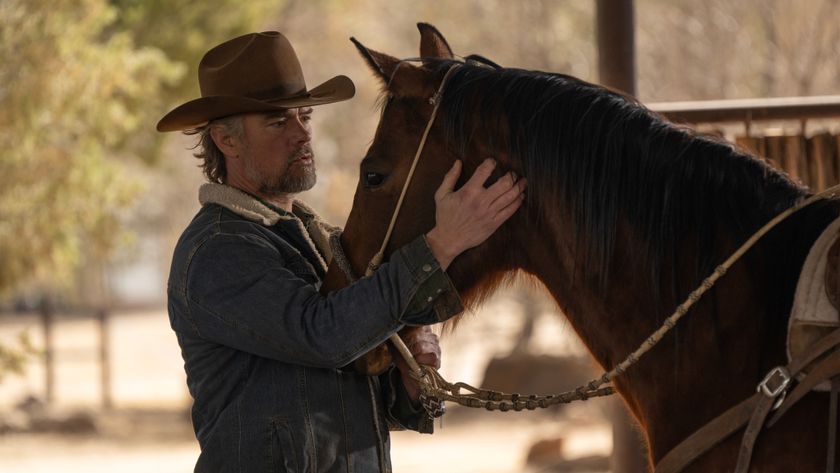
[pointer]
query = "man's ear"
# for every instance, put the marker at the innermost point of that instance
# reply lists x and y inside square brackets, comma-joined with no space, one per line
[226,142]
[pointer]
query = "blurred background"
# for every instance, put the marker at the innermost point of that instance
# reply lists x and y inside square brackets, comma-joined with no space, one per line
[92,201]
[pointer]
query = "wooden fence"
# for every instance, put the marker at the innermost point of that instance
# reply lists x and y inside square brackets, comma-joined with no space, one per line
[811,157]
[48,318]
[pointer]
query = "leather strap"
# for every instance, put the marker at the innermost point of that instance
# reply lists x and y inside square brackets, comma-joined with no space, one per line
[832,426]
[706,437]
[753,410]
[832,281]
[825,369]
[759,415]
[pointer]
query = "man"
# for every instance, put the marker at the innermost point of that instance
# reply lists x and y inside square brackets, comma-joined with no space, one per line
[265,353]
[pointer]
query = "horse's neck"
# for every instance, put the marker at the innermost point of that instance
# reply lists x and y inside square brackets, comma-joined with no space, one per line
[716,354]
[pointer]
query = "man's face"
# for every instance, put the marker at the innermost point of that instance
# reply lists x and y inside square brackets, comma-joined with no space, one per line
[276,149]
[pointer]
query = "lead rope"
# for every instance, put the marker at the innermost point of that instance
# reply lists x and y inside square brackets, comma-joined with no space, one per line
[435,389]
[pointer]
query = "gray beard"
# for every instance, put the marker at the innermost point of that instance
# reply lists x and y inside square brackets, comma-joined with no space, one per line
[287,182]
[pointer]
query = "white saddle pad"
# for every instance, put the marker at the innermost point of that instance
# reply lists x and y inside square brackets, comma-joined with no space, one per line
[813,316]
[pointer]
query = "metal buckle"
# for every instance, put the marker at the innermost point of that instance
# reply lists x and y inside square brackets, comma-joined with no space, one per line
[763,386]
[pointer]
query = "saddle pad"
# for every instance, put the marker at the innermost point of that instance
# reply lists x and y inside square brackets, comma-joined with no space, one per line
[813,315]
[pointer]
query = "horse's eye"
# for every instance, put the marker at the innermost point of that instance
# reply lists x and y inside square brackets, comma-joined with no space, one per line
[373,179]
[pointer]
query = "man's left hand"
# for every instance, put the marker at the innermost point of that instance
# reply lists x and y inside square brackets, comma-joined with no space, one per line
[424,345]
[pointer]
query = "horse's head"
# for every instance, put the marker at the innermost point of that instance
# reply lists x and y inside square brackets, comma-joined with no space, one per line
[409,87]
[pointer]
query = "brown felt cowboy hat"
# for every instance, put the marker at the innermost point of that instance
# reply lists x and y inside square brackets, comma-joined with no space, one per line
[257,72]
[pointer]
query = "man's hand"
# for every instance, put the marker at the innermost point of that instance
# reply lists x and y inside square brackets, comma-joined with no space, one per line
[424,345]
[466,218]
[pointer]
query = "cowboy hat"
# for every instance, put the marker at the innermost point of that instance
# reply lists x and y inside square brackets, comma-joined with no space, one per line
[257,72]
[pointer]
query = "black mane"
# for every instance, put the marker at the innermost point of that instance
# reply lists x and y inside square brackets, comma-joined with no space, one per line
[602,156]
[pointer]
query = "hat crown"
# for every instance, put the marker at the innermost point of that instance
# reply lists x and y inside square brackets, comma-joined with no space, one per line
[261,66]
[253,73]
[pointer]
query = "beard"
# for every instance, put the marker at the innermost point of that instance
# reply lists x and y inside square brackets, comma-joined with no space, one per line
[295,176]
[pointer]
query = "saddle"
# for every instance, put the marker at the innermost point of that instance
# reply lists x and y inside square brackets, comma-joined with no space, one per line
[816,303]
[814,362]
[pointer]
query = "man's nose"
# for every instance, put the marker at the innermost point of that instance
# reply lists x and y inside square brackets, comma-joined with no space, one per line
[302,131]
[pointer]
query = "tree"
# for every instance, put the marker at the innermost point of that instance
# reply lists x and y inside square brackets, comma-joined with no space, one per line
[82,83]
[70,100]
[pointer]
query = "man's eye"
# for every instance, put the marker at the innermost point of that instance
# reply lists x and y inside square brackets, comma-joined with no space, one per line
[306,118]
[279,123]
[373,180]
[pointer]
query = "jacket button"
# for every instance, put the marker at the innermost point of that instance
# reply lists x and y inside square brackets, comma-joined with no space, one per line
[427,267]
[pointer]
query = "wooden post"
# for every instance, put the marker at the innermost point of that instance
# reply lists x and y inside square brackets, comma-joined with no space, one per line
[820,161]
[104,359]
[47,321]
[616,45]
[795,157]
[753,144]
[617,69]
[774,145]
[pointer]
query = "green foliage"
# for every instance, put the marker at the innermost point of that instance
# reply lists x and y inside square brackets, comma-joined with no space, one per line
[13,360]
[82,84]
[69,102]
[183,31]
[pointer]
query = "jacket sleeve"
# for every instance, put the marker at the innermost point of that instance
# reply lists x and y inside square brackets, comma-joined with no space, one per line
[240,293]
[400,412]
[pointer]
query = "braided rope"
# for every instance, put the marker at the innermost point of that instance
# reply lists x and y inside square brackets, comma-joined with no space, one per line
[707,284]
[433,385]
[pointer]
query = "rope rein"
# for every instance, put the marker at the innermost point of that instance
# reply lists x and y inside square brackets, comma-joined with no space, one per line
[435,389]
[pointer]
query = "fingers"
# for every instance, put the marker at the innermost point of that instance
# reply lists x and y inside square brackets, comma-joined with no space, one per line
[507,212]
[509,196]
[429,359]
[449,180]
[425,347]
[480,176]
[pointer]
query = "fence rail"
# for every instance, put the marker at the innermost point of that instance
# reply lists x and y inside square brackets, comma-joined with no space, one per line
[748,110]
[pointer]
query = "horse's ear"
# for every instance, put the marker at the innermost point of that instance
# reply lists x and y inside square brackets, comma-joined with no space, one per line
[399,77]
[432,43]
[381,64]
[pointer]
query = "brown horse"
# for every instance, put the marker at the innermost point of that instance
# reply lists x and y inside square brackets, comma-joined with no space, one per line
[625,215]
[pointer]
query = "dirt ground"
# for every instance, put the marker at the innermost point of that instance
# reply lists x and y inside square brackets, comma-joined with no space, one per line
[162,442]
[148,428]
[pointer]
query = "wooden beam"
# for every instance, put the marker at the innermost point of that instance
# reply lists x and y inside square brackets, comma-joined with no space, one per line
[616,45]
[749,110]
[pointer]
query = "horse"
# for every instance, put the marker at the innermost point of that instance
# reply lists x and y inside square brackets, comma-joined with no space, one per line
[625,214]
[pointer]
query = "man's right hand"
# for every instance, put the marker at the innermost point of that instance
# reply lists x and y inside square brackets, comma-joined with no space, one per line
[464,219]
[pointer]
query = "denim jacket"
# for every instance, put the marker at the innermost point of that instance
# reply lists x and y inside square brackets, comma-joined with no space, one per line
[264,351]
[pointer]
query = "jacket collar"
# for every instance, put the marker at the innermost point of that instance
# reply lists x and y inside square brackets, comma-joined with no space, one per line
[251,208]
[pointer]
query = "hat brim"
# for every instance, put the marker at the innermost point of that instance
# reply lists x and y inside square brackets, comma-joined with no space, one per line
[197,113]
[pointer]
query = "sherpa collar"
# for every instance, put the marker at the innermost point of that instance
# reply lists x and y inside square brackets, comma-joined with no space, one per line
[316,231]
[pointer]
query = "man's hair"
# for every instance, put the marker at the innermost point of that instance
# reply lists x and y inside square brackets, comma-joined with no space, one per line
[213,160]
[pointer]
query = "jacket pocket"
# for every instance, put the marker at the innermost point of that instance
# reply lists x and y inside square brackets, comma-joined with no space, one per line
[281,447]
